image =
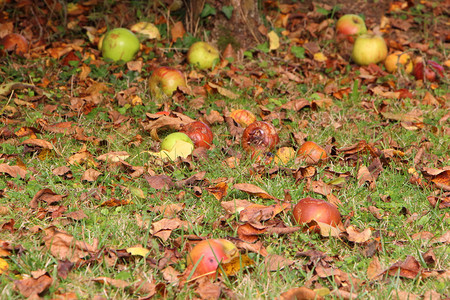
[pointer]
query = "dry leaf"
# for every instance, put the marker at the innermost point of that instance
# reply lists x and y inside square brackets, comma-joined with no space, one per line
[358,237]
[253,190]
[33,286]
[301,293]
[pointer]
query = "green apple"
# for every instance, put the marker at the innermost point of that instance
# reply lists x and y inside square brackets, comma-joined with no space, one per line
[351,24]
[203,55]
[369,49]
[120,44]
[170,140]
[165,81]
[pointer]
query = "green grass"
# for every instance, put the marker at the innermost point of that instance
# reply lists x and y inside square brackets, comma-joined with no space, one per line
[404,206]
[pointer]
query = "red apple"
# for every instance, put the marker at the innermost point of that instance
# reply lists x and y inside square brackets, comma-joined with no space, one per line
[14,43]
[165,81]
[207,255]
[203,55]
[200,133]
[312,153]
[369,49]
[310,209]
[351,24]
[431,71]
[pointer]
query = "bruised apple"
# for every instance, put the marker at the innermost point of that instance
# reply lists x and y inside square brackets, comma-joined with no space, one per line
[311,209]
[312,153]
[165,81]
[200,133]
[206,255]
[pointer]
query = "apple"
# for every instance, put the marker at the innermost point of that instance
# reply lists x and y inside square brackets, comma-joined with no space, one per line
[202,55]
[351,24]
[312,153]
[369,49]
[165,81]
[200,133]
[170,140]
[310,209]
[14,43]
[243,117]
[208,254]
[120,44]
[397,58]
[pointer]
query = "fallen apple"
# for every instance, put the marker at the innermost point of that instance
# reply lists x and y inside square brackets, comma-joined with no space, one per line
[396,59]
[429,70]
[243,117]
[200,133]
[120,44]
[310,209]
[259,137]
[284,155]
[312,153]
[351,24]
[14,43]
[170,140]
[165,81]
[369,49]
[206,256]
[202,55]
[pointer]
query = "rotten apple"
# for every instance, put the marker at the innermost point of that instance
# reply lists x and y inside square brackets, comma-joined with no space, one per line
[200,133]
[206,256]
[14,43]
[259,136]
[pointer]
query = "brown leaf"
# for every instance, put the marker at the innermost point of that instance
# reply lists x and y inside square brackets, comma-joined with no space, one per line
[236,205]
[223,91]
[9,225]
[219,190]
[365,176]
[444,201]
[408,117]
[164,227]
[113,202]
[61,171]
[118,283]
[444,238]
[47,196]
[248,233]
[358,237]
[114,156]
[208,290]
[90,175]
[374,270]
[38,142]
[300,293]
[231,267]
[274,262]
[33,286]
[82,156]
[159,182]
[76,215]
[253,190]
[254,247]
[64,267]
[376,212]
[177,31]
[64,246]
[214,117]
[260,213]
[169,210]
[409,268]
[173,121]
[13,171]
[321,187]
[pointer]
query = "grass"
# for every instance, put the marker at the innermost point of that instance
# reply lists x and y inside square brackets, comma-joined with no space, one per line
[403,206]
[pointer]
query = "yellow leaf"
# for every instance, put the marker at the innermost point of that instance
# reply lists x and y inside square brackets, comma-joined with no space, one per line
[274,40]
[138,251]
[231,267]
[3,266]
[147,29]
[320,57]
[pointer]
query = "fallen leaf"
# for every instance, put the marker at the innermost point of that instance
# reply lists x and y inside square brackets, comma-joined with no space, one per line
[114,156]
[90,175]
[235,264]
[409,268]
[253,190]
[358,237]
[223,92]
[140,251]
[3,266]
[13,171]
[149,30]
[374,270]
[33,286]
[275,262]
[274,40]
[219,190]
[118,283]
[47,196]
[300,293]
